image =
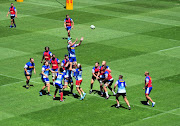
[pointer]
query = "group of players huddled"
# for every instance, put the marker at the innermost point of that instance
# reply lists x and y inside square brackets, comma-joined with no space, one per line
[67,69]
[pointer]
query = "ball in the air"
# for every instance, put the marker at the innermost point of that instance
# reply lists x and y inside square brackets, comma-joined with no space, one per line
[92,27]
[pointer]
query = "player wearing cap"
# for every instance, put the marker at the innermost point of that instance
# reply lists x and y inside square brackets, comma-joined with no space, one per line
[78,76]
[121,91]
[95,75]
[28,68]
[55,63]
[46,55]
[13,13]
[71,49]
[68,24]
[148,88]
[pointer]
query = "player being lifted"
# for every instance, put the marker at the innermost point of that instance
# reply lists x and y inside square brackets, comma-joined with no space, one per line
[46,54]
[55,63]
[148,88]
[121,91]
[44,77]
[28,68]
[59,85]
[78,76]
[95,76]
[108,81]
[67,25]
[71,49]
[13,13]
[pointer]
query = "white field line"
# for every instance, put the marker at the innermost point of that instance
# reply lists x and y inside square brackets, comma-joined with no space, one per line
[162,114]
[169,49]
[142,106]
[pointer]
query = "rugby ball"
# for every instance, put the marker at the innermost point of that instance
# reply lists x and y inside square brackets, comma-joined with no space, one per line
[92,27]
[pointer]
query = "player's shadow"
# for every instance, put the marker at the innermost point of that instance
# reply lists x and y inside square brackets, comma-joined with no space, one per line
[57,98]
[96,92]
[119,106]
[31,85]
[64,38]
[67,93]
[144,102]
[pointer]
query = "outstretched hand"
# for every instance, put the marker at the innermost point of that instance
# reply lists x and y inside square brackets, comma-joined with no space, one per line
[82,38]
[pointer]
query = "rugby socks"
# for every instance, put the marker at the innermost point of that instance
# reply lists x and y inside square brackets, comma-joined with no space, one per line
[83,92]
[61,96]
[15,25]
[81,96]
[113,92]
[106,94]
[91,86]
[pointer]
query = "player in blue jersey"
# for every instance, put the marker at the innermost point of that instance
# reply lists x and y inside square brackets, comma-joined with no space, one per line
[78,76]
[28,68]
[44,76]
[121,91]
[58,83]
[71,50]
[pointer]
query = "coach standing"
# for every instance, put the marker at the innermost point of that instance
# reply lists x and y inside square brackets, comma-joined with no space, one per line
[13,13]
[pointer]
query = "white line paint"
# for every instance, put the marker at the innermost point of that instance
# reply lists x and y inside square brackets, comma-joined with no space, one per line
[169,49]
[165,112]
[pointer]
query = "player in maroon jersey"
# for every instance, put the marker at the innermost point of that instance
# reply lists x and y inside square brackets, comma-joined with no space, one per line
[13,13]
[46,55]
[95,75]
[68,24]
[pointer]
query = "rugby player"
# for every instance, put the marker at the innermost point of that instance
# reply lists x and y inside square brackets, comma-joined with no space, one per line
[68,78]
[55,63]
[71,49]
[67,25]
[108,81]
[121,91]
[46,54]
[44,76]
[148,88]
[95,76]
[58,83]
[28,68]
[78,76]
[102,77]
[64,62]
[13,13]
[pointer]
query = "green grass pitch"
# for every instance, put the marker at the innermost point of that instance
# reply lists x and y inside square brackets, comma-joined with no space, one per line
[133,36]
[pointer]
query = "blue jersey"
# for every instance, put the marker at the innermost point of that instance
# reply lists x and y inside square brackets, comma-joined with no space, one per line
[121,86]
[45,69]
[60,77]
[29,66]
[78,74]
[71,50]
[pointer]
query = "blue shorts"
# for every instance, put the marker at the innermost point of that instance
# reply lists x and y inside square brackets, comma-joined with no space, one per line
[59,86]
[68,27]
[54,69]
[148,90]
[45,80]
[72,59]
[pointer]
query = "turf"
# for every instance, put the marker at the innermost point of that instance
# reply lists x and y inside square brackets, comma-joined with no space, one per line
[133,36]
